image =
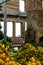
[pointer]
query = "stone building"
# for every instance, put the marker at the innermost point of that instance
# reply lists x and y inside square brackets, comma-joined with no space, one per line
[32,12]
[35,16]
[17,16]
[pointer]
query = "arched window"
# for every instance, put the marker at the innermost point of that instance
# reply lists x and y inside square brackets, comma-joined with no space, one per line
[41,39]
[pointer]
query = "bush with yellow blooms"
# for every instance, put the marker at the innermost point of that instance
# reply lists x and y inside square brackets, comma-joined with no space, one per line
[5,59]
[28,51]
[32,61]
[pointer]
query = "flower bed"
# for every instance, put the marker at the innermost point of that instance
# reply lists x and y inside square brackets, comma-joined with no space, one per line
[26,55]
[5,59]
[28,51]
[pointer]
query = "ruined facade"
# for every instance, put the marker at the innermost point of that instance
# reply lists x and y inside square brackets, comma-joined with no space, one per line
[35,16]
[33,13]
[16,16]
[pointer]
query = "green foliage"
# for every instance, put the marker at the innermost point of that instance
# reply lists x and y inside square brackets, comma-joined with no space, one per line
[1,35]
[0,26]
[3,41]
[30,34]
[5,59]
[0,5]
[6,43]
[11,54]
[8,39]
[40,53]
[32,61]
[27,51]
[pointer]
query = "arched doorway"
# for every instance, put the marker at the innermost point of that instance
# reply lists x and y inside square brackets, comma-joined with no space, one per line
[41,41]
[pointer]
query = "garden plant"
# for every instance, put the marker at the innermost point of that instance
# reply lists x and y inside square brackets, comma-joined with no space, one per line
[27,52]
[5,58]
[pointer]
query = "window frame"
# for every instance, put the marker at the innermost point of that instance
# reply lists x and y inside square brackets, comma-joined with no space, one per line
[20,30]
[9,30]
[24,6]
[42,3]
[25,26]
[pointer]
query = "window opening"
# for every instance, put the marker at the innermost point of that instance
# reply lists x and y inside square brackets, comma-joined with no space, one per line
[9,29]
[21,5]
[18,29]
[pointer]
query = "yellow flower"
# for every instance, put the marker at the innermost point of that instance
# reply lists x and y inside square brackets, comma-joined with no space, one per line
[1,50]
[32,59]
[3,46]
[7,59]
[0,45]
[6,49]
[12,58]
[1,62]
[10,62]
[38,63]
[4,53]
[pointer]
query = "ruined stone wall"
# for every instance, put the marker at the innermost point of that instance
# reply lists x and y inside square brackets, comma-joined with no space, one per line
[35,16]
[12,6]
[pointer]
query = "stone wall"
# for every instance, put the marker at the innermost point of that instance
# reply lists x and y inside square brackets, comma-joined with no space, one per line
[35,16]
[12,6]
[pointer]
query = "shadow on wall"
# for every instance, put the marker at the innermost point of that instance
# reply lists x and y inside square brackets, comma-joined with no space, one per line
[41,40]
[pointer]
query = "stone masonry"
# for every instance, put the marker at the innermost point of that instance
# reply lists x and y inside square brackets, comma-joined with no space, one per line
[34,14]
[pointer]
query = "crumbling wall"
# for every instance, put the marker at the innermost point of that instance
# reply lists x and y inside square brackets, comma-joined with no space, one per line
[35,15]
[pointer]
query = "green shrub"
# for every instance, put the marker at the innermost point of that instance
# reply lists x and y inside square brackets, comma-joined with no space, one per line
[27,51]
[3,41]
[8,39]
[32,61]
[5,58]
[30,34]
[40,53]
[1,35]
[0,6]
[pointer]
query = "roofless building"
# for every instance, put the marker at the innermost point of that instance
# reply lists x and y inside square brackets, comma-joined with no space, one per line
[31,11]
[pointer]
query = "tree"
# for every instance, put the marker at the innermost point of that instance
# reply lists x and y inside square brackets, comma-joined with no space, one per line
[0,26]
[1,33]
[0,6]
[30,34]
